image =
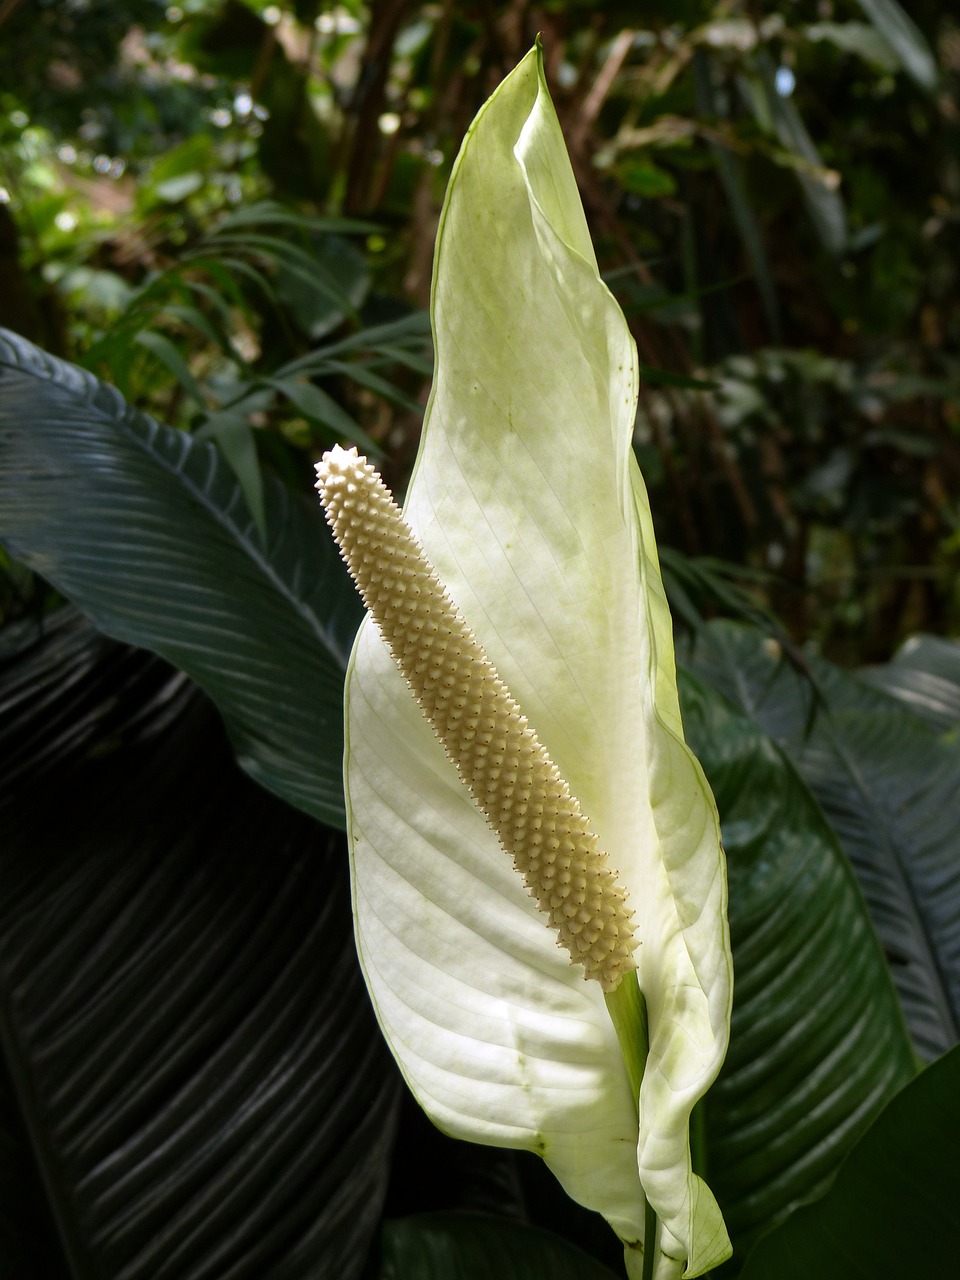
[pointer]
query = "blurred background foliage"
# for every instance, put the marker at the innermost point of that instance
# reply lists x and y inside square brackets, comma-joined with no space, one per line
[227,208]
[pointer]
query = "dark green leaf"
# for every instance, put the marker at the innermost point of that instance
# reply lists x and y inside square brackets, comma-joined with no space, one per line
[729,169]
[925,676]
[195,319]
[184,1020]
[413,360]
[296,263]
[365,377]
[817,1041]
[317,404]
[28,1240]
[893,1211]
[341,264]
[168,355]
[857,38]
[888,785]
[413,328]
[233,433]
[706,581]
[222,268]
[268,213]
[146,530]
[453,1246]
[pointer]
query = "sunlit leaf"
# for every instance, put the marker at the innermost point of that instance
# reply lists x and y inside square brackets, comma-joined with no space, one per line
[906,40]
[925,676]
[824,202]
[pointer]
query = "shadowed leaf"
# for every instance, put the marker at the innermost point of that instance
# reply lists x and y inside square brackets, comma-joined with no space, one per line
[183,1017]
[893,1210]
[817,1042]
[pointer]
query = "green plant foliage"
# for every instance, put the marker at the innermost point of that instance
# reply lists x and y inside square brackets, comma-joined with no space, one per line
[888,785]
[893,1210]
[817,1043]
[191,1052]
[448,1246]
[925,676]
[894,24]
[146,530]
[310,278]
[781,181]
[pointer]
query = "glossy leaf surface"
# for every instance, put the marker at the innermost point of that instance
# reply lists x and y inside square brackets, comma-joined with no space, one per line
[191,1049]
[146,530]
[817,1042]
[888,785]
[925,676]
[906,39]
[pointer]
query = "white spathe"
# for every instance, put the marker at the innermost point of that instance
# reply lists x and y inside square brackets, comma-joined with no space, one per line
[527,499]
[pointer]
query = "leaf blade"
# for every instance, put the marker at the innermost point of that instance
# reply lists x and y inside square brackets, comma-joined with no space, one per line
[817,1042]
[440,1246]
[174,965]
[147,531]
[892,1211]
[888,785]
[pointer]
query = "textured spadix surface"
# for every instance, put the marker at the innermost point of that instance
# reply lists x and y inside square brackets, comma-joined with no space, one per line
[499,758]
[527,500]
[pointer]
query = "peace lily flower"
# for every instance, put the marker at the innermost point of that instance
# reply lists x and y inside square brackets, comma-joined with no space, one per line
[539,890]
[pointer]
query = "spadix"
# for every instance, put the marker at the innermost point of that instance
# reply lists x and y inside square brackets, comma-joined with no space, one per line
[520,655]
[498,756]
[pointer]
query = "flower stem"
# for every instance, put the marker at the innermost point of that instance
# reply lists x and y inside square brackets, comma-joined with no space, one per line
[650,1226]
[628,1012]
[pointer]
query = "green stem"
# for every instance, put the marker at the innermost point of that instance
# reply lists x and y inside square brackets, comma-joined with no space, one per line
[650,1226]
[628,1013]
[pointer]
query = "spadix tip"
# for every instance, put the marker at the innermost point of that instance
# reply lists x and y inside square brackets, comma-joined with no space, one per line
[338,461]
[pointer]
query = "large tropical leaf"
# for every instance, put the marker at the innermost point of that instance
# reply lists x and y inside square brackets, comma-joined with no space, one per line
[191,1050]
[147,531]
[450,1246]
[28,1241]
[925,675]
[888,784]
[893,1211]
[818,1042]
